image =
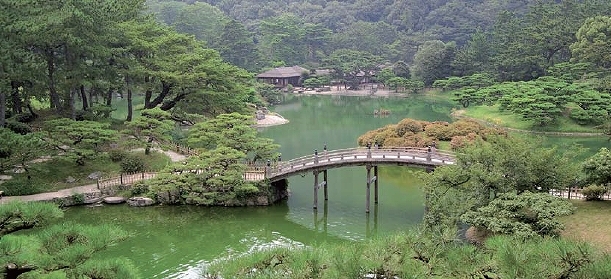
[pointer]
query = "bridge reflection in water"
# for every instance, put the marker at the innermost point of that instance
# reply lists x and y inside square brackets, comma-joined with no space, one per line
[321,223]
[316,163]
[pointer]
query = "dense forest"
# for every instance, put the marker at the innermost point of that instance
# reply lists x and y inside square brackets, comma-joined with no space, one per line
[518,40]
[541,60]
[198,58]
[76,56]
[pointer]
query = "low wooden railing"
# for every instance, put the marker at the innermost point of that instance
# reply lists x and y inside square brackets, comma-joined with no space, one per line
[124,179]
[409,155]
[575,194]
[183,149]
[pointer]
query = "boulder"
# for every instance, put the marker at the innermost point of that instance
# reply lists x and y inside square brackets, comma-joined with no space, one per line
[92,201]
[140,201]
[262,200]
[114,200]
[70,179]
[18,169]
[95,175]
[260,115]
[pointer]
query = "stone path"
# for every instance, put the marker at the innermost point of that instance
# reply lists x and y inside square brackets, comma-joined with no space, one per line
[91,188]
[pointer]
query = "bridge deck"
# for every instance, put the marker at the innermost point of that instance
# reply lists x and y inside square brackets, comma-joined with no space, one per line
[352,157]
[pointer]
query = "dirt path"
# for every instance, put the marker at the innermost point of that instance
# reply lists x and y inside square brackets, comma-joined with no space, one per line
[91,188]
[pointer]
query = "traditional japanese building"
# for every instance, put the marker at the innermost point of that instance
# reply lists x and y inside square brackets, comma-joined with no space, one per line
[283,76]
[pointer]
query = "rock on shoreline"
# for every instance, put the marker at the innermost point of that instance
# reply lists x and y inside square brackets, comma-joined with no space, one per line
[271,120]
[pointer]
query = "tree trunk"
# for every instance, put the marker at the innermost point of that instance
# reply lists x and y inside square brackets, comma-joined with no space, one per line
[53,96]
[31,110]
[70,104]
[84,97]
[15,98]
[148,94]
[165,91]
[170,104]
[149,144]
[109,97]
[92,92]
[129,99]
[108,101]
[2,108]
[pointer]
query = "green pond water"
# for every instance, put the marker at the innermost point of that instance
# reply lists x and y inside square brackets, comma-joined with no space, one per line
[179,241]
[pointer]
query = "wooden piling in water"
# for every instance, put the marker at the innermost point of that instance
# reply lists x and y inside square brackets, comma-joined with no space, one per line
[315,190]
[326,184]
[375,187]
[368,188]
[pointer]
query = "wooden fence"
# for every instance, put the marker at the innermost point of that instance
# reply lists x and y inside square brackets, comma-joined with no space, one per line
[182,149]
[575,194]
[124,179]
[131,178]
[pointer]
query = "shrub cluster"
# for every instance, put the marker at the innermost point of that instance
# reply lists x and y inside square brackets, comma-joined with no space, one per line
[131,164]
[594,192]
[117,155]
[417,133]
[19,187]
[417,255]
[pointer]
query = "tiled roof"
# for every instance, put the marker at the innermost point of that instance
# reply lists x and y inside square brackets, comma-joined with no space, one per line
[283,72]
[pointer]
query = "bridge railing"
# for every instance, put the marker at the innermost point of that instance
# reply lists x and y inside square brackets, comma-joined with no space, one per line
[350,154]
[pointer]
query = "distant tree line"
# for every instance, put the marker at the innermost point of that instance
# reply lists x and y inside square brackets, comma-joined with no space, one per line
[514,40]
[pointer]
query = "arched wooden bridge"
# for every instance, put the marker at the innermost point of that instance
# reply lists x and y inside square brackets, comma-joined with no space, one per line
[368,157]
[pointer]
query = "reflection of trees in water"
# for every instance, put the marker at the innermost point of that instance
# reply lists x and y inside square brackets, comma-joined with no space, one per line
[170,237]
[354,105]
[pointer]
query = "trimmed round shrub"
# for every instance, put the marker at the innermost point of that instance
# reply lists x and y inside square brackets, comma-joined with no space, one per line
[409,125]
[131,164]
[418,140]
[594,192]
[18,127]
[23,117]
[139,188]
[459,142]
[378,135]
[438,130]
[117,155]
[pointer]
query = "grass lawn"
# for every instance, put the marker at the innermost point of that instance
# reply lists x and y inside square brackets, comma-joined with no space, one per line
[120,106]
[591,223]
[492,115]
[51,175]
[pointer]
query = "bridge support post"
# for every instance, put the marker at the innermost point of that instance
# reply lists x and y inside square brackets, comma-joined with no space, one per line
[368,196]
[375,185]
[326,184]
[324,219]
[315,206]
